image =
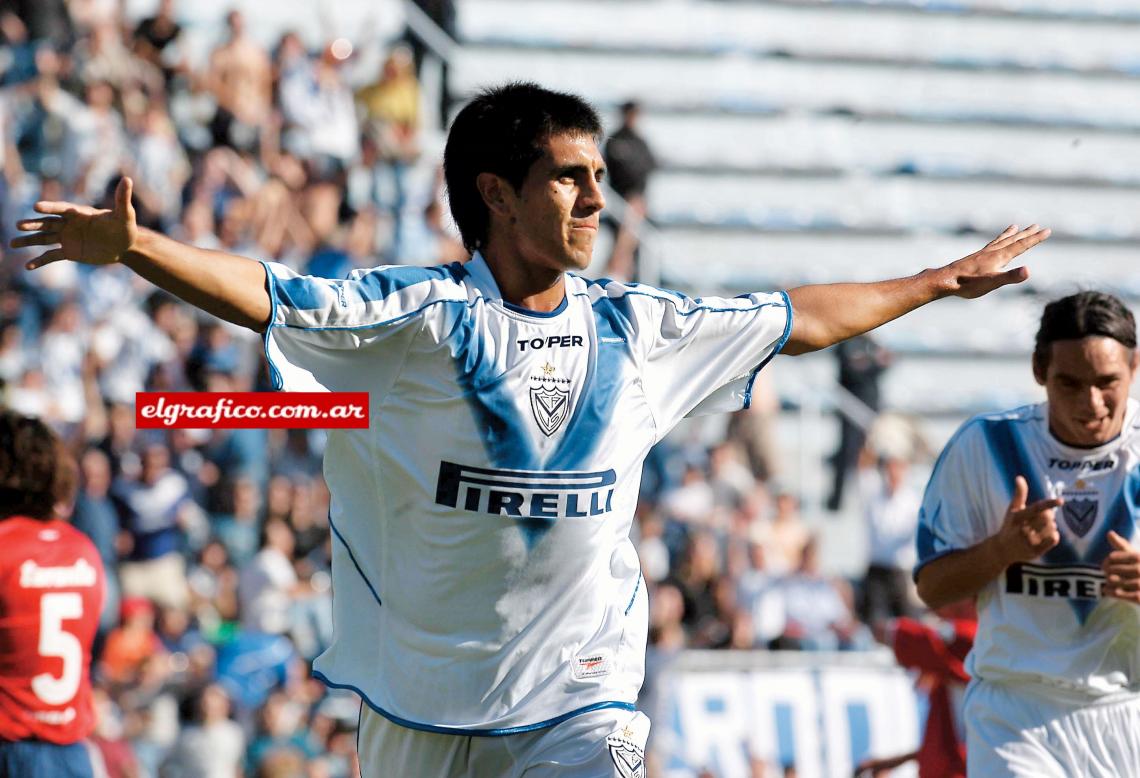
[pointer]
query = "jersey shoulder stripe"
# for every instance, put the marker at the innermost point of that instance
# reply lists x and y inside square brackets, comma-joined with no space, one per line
[367,298]
[605,288]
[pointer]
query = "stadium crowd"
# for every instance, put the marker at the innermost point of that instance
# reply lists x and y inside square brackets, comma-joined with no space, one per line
[217,542]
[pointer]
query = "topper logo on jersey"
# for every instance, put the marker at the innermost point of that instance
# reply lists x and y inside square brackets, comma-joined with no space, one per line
[1092,467]
[549,399]
[554,341]
[1074,582]
[530,494]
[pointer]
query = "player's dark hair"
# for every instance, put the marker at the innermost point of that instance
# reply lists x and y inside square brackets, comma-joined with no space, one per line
[501,131]
[36,472]
[1082,315]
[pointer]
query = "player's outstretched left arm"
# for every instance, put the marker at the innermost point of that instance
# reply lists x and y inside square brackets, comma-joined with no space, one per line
[1122,570]
[826,314]
[225,285]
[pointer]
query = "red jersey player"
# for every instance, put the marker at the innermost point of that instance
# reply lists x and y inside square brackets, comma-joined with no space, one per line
[51,593]
[938,651]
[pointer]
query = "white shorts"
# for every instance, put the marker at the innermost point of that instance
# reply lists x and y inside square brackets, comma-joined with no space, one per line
[1025,731]
[607,743]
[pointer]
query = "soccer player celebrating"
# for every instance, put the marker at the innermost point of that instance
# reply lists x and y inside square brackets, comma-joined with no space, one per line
[1034,512]
[489,603]
[51,594]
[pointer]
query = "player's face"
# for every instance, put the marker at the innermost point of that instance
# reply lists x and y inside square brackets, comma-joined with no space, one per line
[558,206]
[1087,383]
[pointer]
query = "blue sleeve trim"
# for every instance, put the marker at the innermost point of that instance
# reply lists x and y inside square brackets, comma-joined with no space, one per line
[633,598]
[779,347]
[472,732]
[271,286]
[352,556]
[924,562]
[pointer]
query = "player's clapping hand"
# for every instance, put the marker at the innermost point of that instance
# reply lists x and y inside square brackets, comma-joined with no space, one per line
[1028,531]
[93,236]
[1122,570]
[984,271]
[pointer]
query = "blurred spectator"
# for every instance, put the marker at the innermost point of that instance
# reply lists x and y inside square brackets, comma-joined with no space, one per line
[696,578]
[269,583]
[211,747]
[40,21]
[240,77]
[213,584]
[818,611]
[692,502]
[392,108]
[754,429]
[95,516]
[629,164]
[890,505]
[760,596]
[785,537]
[730,479]
[240,528]
[41,112]
[281,726]
[129,645]
[156,40]
[318,105]
[109,739]
[158,513]
[159,168]
[862,362]
[150,711]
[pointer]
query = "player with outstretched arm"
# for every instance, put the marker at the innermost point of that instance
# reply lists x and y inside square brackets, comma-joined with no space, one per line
[489,603]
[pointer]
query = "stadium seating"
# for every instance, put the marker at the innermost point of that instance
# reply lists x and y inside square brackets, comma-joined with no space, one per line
[810,141]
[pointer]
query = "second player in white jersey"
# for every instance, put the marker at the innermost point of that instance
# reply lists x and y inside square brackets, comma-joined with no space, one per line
[1034,512]
[1043,621]
[487,573]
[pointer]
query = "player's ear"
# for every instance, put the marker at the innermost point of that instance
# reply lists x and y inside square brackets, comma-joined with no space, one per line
[1040,369]
[1135,361]
[497,194]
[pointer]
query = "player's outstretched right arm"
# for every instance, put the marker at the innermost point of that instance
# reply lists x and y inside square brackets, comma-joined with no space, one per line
[225,285]
[1026,532]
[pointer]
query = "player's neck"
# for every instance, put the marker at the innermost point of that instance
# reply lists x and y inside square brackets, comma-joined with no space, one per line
[526,284]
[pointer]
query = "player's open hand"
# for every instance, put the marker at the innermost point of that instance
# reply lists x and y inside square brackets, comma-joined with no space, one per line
[93,236]
[1028,531]
[984,271]
[1122,570]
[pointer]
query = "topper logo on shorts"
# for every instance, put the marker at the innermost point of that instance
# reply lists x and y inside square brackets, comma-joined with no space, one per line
[532,494]
[1072,582]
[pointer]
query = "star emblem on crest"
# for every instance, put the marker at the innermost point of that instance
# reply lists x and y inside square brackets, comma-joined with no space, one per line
[548,369]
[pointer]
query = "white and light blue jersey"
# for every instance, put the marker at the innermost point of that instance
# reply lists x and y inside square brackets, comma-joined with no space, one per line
[483,574]
[1043,621]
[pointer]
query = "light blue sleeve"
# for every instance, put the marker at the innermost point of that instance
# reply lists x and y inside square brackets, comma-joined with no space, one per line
[955,513]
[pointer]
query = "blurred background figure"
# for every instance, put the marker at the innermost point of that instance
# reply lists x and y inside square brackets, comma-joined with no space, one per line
[861,363]
[629,165]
